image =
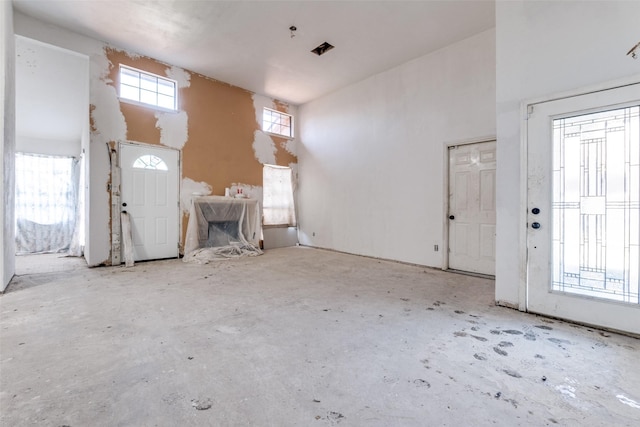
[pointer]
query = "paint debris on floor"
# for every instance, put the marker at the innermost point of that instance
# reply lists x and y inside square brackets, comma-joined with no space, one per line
[298,336]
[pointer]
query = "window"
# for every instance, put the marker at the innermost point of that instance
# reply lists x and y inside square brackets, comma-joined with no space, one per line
[46,202]
[149,161]
[277,122]
[147,88]
[596,205]
[277,196]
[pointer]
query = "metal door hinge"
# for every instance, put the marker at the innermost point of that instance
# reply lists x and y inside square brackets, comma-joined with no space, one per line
[529,111]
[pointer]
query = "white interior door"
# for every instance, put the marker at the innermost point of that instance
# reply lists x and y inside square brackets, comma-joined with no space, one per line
[472,207]
[583,236]
[149,193]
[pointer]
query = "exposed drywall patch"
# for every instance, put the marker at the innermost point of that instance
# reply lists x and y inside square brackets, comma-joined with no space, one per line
[108,125]
[174,128]
[107,119]
[264,148]
[190,188]
[259,104]
[290,146]
[179,75]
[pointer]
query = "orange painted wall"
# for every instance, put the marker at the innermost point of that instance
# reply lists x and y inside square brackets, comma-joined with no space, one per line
[221,126]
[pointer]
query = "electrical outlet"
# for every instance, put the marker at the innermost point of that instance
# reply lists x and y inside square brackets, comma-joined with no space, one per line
[435,248]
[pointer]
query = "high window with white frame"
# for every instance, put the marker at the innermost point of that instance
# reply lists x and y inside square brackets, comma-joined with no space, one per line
[146,88]
[278,123]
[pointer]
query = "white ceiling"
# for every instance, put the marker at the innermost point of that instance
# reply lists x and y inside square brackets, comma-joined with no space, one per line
[248,43]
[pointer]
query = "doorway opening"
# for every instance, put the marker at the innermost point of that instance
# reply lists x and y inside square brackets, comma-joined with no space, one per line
[52,148]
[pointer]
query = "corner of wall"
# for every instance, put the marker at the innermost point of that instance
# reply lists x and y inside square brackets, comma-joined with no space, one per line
[7,130]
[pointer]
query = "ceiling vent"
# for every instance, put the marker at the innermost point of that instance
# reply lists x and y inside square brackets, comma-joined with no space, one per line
[323,48]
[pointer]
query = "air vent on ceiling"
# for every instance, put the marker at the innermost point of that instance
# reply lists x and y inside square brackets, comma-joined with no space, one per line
[323,48]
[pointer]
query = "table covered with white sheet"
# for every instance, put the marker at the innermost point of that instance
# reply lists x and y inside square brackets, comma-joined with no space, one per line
[222,227]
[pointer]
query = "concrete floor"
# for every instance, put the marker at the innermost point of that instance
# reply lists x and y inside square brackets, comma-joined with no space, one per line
[47,263]
[298,337]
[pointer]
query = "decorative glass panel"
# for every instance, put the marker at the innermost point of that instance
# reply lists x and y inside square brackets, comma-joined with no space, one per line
[596,204]
[149,161]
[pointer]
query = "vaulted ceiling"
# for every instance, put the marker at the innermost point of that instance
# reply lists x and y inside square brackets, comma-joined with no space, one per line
[249,43]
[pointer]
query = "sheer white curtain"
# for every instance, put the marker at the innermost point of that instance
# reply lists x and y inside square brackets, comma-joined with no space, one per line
[46,202]
[277,199]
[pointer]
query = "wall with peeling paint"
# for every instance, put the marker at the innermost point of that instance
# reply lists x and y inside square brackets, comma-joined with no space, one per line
[7,143]
[216,128]
[372,154]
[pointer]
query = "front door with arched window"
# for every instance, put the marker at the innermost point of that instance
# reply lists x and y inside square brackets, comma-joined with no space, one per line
[149,193]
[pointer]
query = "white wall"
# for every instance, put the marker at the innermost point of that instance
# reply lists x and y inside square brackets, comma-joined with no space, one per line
[280,237]
[107,119]
[7,145]
[52,147]
[371,156]
[52,98]
[544,48]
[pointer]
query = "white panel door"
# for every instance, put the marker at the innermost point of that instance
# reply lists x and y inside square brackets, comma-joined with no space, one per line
[472,207]
[583,219]
[149,193]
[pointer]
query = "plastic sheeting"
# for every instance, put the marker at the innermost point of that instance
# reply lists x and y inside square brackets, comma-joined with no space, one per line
[222,227]
[46,204]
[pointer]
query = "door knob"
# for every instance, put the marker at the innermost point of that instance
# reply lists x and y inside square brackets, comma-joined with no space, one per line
[535,225]
[452,217]
[535,211]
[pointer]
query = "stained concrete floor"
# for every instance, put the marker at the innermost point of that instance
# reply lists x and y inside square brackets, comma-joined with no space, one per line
[298,337]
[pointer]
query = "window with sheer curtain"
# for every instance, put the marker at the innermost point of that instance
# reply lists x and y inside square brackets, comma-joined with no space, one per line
[46,202]
[277,199]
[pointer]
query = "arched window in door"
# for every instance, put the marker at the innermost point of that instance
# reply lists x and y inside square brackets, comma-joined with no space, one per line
[149,161]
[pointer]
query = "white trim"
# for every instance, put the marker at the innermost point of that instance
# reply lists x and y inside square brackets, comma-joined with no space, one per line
[445,207]
[585,90]
[523,203]
[480,139]
[445,192]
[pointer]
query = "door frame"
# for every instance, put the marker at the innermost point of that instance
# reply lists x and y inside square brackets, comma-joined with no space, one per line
[116,192]
[445,192]
[525,107]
